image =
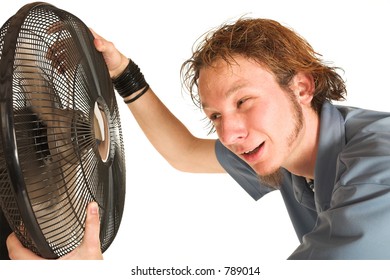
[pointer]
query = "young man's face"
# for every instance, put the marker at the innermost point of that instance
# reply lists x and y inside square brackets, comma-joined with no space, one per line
[253,116]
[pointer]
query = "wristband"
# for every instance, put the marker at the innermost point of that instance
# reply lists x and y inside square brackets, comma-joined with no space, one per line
[138,95]
[131,80]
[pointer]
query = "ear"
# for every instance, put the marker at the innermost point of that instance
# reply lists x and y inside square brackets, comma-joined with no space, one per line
[303,87]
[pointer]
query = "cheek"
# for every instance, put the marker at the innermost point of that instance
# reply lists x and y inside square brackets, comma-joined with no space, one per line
[271,121]
[263,118]
[278,113]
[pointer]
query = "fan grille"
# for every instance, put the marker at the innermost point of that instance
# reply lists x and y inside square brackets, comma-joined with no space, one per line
[58,79]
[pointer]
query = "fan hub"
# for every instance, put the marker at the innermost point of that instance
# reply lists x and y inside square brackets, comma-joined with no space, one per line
[101,131]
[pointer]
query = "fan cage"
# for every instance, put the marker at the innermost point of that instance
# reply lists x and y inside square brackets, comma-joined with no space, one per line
[50,163]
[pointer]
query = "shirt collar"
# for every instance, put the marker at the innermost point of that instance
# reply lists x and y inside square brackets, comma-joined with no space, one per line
[331,143]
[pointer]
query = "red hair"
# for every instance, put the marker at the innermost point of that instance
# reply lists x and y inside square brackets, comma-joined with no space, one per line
[275,47]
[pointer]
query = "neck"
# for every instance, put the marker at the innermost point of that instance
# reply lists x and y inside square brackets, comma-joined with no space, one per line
[304,157]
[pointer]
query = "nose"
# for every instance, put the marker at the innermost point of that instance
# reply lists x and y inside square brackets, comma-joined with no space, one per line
[231,130]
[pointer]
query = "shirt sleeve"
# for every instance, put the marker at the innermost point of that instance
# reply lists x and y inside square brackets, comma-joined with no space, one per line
[302,217]
[241,172]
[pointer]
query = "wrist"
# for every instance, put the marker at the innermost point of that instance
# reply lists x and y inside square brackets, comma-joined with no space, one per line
[120,69]
[130,81]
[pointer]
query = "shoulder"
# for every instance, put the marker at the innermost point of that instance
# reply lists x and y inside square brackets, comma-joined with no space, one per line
[360,121]
[365,158]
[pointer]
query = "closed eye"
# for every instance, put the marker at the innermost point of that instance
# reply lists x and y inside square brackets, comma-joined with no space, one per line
[214,117]
[241,101]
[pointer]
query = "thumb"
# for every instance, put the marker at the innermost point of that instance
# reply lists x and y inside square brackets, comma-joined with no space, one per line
[98,42]
[89,249]
[95,35]
[92,226]
[116,62]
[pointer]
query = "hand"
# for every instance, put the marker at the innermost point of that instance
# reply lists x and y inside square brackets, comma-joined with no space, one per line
[89,249]
[116,62]
[64,56]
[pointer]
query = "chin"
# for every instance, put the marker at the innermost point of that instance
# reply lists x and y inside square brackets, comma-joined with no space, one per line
[273,179]
[265,169]
[270,176]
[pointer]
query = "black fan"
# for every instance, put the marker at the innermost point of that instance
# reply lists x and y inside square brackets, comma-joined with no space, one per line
[61,142]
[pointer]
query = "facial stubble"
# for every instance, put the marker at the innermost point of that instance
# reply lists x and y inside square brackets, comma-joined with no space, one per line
[274,179]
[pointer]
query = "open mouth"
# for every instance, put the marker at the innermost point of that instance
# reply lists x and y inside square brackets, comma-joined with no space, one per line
[255,150]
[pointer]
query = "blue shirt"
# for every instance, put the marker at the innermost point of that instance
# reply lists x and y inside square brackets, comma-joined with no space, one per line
[347,216]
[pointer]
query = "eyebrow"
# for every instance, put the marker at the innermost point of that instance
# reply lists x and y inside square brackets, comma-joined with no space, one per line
[230,92]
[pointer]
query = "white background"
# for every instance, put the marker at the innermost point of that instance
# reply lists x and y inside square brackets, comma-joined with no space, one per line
[177,219]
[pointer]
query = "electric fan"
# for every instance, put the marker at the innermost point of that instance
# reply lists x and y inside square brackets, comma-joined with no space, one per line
[61,142]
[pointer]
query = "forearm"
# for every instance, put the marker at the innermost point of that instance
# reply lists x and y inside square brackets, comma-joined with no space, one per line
[170,137]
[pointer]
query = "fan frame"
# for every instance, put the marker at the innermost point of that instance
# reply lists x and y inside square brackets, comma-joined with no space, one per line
[9,141]
[8,133]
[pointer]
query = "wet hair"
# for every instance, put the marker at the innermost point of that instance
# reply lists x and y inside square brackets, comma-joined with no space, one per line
[274,46]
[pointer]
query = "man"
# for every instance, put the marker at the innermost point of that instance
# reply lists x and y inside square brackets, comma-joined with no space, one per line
[268,96]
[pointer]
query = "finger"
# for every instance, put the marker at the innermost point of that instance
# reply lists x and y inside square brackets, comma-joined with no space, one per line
[99,41]
[92,227]
[17,251]
[99,45]
[115,61]
[95,35]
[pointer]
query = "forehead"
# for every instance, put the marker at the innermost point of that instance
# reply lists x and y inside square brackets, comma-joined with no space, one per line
[227,75]
[236,65]
[223,80]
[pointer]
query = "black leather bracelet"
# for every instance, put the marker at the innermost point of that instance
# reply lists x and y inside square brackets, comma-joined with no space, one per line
[128,101]
[131,80]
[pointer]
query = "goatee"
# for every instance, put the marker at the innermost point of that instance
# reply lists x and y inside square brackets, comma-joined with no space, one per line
[272,180]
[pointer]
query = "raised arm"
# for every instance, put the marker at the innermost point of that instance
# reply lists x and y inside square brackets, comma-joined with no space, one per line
[167,134]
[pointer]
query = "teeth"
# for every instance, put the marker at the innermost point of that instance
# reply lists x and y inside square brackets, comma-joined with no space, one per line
[252,151]
[249,152]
